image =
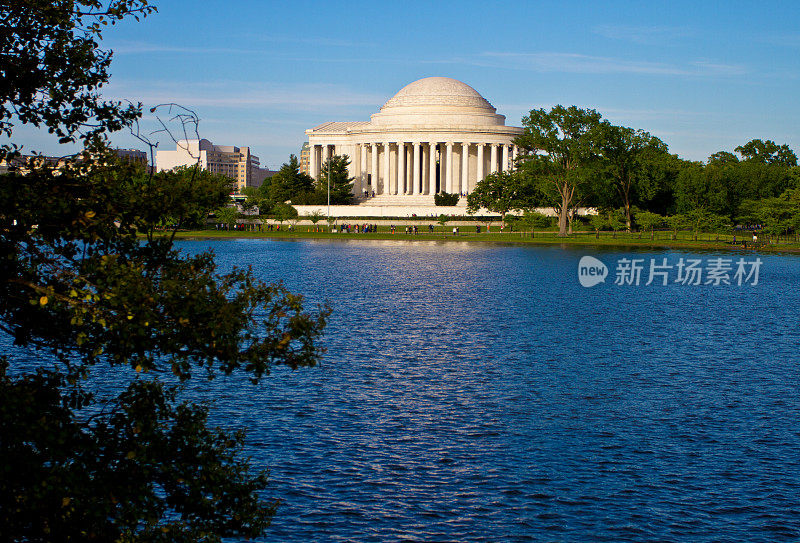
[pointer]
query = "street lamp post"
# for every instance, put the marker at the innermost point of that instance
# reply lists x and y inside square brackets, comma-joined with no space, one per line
[329,190]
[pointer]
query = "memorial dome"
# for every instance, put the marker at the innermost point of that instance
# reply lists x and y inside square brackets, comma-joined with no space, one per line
[434,135]
[438,91]
[440,101]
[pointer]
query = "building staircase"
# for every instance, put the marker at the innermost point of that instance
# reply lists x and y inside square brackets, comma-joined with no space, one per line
[387,200]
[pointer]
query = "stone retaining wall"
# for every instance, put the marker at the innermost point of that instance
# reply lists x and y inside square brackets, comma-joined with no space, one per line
[410,212]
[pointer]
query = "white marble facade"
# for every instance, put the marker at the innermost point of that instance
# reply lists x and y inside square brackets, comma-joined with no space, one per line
[436,135]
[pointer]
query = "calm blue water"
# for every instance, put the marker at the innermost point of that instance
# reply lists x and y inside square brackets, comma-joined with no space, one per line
[479,393]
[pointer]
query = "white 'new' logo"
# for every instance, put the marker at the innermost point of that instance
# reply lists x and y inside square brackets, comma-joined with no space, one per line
[591,271]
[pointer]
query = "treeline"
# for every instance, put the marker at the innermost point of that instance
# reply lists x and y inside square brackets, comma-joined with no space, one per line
[291,186]
[571,158]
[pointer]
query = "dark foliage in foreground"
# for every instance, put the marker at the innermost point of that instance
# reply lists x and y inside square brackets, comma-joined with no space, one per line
[86,289]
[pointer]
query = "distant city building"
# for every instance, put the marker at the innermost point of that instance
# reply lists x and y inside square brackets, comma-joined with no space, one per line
[132,155]
[236,163]
[23,164]
[260,175]
[305,158]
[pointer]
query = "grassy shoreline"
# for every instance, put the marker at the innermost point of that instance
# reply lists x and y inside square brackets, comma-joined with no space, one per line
[621,240]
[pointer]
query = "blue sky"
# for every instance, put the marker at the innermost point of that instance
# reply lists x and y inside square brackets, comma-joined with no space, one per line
[703,76]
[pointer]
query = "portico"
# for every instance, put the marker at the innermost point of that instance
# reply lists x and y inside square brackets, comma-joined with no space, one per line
[435,135]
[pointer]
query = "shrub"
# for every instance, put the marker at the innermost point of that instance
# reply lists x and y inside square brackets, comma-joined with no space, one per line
[445,199]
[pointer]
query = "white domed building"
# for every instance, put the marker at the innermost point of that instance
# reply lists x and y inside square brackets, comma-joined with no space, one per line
[436,135]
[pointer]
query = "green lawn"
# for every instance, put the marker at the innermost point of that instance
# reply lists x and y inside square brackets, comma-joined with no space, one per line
[662,239]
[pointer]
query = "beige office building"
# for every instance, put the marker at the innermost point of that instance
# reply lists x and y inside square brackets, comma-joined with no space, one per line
[304,158]
[234,162]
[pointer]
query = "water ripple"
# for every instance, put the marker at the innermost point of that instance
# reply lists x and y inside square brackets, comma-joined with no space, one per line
[478,393]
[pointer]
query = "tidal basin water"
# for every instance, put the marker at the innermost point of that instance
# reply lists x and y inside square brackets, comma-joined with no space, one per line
[479,393]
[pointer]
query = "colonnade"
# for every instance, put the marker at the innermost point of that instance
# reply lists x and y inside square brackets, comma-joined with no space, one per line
[418,168]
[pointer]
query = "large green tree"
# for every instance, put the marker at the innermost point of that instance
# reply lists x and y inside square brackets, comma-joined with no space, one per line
[698,188]
[559,148]
[290,183]
[52,68]
[83,293]
[629,161]
[778,216]
[183,197]
[341,184]
[767,152]
[766,170]
[502,192]
[722,158]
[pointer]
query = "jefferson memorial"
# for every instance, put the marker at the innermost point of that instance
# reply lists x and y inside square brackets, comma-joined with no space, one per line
[436,135]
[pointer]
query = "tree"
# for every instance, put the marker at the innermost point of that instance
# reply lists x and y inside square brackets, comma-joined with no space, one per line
[698,220]
[558,148]
[616,219]
[446,199]
[723,158]
[184,196]
[778,216]
[502,192]
[675,223]
[227,215]
[52,69]
[284,212]
[700,188]
[648,221]
[529,220]
[534,219]
[84,293]
[258,198]
[315,217]
[598,222]
[751,179]
[290,183]
[767,152]
[724,183]
[664,169]
[78,282]
[624,153]
[341,185]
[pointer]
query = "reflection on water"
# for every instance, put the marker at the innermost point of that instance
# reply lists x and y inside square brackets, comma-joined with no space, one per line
[478,393]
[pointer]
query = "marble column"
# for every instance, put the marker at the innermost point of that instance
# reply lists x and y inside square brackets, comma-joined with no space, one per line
[464,167]
[313,165]
[514,156]
[425,169]
[504,165]
[374,169]
[432,172]
[479,173]
[353,169]
[409,150]
[449,168]
[415,189]
[393,178]
[363,169]
[325,154]
[401,167]
[350,150]
[387,186]
[493,159]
